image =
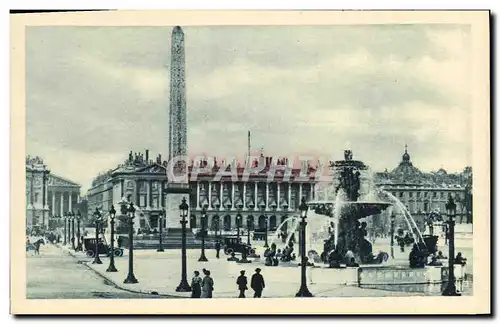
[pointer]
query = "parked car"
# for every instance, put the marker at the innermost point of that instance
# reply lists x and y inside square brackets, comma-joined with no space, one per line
[233,244]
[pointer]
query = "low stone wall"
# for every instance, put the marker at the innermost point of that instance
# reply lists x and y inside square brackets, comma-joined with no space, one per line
[405,275]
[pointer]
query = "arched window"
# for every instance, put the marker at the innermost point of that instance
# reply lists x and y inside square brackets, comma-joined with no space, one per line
[192,221]
[262,222]
[272,223]
[227,223]
[215,221]
[250,222]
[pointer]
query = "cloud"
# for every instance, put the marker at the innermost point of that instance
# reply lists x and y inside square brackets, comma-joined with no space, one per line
[96,92]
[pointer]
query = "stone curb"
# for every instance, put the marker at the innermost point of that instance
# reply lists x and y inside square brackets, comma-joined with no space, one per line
[113,283]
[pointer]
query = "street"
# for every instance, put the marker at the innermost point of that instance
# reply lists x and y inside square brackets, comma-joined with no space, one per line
[56,275]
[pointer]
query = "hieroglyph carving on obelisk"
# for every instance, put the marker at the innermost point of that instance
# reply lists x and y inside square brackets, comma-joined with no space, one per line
[177,145]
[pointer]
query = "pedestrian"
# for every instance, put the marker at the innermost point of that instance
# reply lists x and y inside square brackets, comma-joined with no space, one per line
[207,285]
[217,248]
[196,285]
[257,283]
[242,284]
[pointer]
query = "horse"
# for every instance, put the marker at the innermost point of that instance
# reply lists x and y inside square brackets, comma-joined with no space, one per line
[35,247]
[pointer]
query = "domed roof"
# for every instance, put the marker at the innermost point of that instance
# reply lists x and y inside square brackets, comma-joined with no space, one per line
[405,170]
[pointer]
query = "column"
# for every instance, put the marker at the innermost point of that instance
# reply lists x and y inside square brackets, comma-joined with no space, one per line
[310,192]
[244,195]
[289,195]
[232,196]
[137,194]
[78,198]
[267,195]
[300,193]
[122,189]
[221,194]
[255,197]
[148,194]
[210,195]
[53,203]
[70,194]
[197,195]
[278,206]
[62,203]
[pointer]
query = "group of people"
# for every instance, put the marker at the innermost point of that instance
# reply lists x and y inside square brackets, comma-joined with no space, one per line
[204,287]
[418,259]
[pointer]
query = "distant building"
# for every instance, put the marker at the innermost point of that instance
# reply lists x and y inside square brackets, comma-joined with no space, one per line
[423,193]
[143,181]
[47,195]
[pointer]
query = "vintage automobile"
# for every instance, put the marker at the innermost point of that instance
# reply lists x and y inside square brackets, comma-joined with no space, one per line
[233,244]
[89,245]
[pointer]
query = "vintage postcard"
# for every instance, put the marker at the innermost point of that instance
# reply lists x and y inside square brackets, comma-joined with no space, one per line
[271,162]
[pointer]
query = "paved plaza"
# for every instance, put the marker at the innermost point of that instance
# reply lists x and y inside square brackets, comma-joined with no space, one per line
[160,273]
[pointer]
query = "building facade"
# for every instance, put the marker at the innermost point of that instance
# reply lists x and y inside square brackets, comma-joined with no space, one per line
[48,195]
[256,198]
[424,193]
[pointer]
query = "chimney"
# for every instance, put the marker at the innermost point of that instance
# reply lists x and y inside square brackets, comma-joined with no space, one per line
[147,155]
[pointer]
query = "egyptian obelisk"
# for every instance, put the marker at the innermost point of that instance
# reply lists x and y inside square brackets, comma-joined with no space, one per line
[177,142]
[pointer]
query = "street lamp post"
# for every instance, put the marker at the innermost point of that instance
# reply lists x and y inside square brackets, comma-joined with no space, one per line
[112,214]
[65,218]
[248,230]
[203,258]
[262,209]
[78,219]
[131,279]
[451,208]
[238,222]
[72,215]
[303,291]
[160,222]
[97,216]
[393,218]
[184,285]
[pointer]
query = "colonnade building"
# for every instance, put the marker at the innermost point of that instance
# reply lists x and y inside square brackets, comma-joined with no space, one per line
[255,198]
[48,196]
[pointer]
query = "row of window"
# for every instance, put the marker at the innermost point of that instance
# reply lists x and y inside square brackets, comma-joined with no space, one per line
[420,194]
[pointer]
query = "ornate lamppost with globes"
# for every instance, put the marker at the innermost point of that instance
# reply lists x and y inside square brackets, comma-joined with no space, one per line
[393,221]
[184,285]
[65,218]
[303,291]
[238,224]
[131,279]
[274,206]
[203,258]
[97,216]
[112,214]
[78,220]
[72,218]
[285,208]
[217,206]
[262,209]
[249,224]
[451,209]
[160,225]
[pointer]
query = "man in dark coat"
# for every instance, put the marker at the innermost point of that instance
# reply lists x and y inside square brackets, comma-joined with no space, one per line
[217,249]
[257,283]
[242,284]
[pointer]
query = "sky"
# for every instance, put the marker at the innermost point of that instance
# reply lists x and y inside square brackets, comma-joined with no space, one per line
[95,93]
